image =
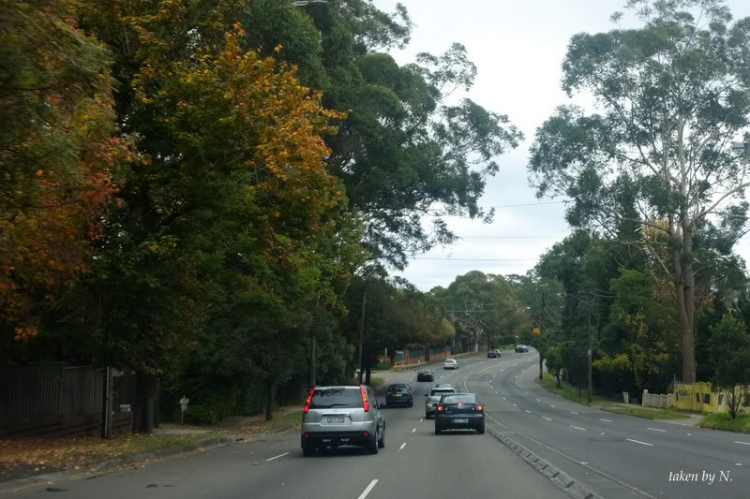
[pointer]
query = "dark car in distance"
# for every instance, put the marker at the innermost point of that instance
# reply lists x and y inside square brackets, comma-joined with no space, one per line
[521,348]
[459,411]
[494,354]
[425,375]
[399,394]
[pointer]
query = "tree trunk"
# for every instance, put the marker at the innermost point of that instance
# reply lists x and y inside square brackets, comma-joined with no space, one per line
[312,363]
[145,403]
[541,366]
[270,386]
[369,375]
[684,278]
[557,378]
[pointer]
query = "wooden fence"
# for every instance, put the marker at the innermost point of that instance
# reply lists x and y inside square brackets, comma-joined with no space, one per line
[50,399]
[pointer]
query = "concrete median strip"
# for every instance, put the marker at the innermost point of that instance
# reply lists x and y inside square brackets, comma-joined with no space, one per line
[556,476]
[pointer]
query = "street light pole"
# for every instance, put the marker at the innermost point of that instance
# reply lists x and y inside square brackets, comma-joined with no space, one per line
[589,388]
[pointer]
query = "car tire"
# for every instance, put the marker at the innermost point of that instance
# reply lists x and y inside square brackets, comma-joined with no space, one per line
[438,431]
[480,430]
[381,441]
[373,447]
[411,403]
[308,451]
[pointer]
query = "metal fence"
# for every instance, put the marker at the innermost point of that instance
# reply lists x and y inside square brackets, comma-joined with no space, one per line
[34,394]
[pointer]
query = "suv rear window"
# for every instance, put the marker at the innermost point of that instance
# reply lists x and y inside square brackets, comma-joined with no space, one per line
[438,393]
[464,399]
[341,398]
[398,388]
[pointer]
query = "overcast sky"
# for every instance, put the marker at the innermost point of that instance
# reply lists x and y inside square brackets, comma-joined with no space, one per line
[518,47]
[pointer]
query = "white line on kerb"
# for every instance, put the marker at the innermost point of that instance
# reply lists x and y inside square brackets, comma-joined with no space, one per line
[639,442]
[578,428]
[741,443]
[605,420]
[402,446]
[276,457]
[545,417]
[367,490]
[414,430]
[657,429]
[574,413]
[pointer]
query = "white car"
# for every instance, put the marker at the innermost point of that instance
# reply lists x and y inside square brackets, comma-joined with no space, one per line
[450,364]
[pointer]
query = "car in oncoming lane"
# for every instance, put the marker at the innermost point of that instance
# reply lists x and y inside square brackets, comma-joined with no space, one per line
[459,411]
[342,415]
[522,348]
[494,354]
[450,364]
[425,375]
[399,394]
[433,398]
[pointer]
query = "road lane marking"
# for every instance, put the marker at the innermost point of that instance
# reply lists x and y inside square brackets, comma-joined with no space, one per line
[605,420]
[402,446]
[414,430]
[367,490]
[552,406]
[741,443]
[504,398]
[639,442]
[514,404]
[496,393]
[420,419]
[525,392]
[738,464]
[514,365]
[527,411]
[657,429]
[578,428]
[538,400]
[574,413]
[276,457]
[584,463]
[545,417]
[494,375]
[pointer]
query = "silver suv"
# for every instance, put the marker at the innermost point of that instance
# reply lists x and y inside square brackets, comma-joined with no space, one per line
[342,415]
[433,398]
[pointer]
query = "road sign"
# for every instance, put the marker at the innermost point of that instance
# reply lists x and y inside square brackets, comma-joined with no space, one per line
[536,330]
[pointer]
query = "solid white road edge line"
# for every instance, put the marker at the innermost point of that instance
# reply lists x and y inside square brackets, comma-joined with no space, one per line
[276,457]
[639,442]
[402,446]
[368,489]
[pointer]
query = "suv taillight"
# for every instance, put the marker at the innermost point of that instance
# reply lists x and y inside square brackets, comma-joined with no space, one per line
[365,403]
[309,399]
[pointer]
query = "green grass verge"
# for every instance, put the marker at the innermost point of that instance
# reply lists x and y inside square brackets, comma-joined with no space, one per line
[571,393]
[642,412]
[722,421]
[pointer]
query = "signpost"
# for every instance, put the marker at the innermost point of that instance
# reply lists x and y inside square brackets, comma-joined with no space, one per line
[183,406]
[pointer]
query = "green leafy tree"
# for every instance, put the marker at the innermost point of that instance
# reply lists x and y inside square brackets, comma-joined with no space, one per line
[730,353]
[672,96]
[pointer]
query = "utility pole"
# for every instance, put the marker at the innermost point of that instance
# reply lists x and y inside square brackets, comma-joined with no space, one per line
[589,388]
[362,334]
[541,339]
[312,363]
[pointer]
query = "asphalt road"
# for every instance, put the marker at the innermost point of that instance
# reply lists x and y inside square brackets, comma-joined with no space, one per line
[616,456]
[415,463]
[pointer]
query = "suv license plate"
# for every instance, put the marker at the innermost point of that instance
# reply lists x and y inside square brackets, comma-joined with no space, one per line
[335,419]
[399,395]
[461,420]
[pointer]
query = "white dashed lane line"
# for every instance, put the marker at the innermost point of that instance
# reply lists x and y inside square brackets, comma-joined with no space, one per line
[402,446]
[515,405]
[527,411]
[657,429]
[639,442]
[367,490]
[545,417]
[504,398]
[574,413]
[538,400]
[578,428]
[414,430]
[741,443]
[605,420]
[276,457]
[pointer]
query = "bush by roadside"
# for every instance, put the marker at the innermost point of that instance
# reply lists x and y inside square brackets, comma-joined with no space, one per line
[571,393]
[722,421]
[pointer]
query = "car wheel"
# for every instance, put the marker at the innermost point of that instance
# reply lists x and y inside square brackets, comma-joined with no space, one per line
[411,403]
[480,430]
[308,451]
[373,447]
[381,442]
[438,431]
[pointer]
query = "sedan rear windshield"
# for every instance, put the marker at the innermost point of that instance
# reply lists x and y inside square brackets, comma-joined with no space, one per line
[339,398]
[455,399]
[399,388]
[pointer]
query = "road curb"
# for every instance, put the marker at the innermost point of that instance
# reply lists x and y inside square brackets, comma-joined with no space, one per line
[555,475]
[21,484]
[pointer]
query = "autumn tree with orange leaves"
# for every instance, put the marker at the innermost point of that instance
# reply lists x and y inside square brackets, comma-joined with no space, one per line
[58,158]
